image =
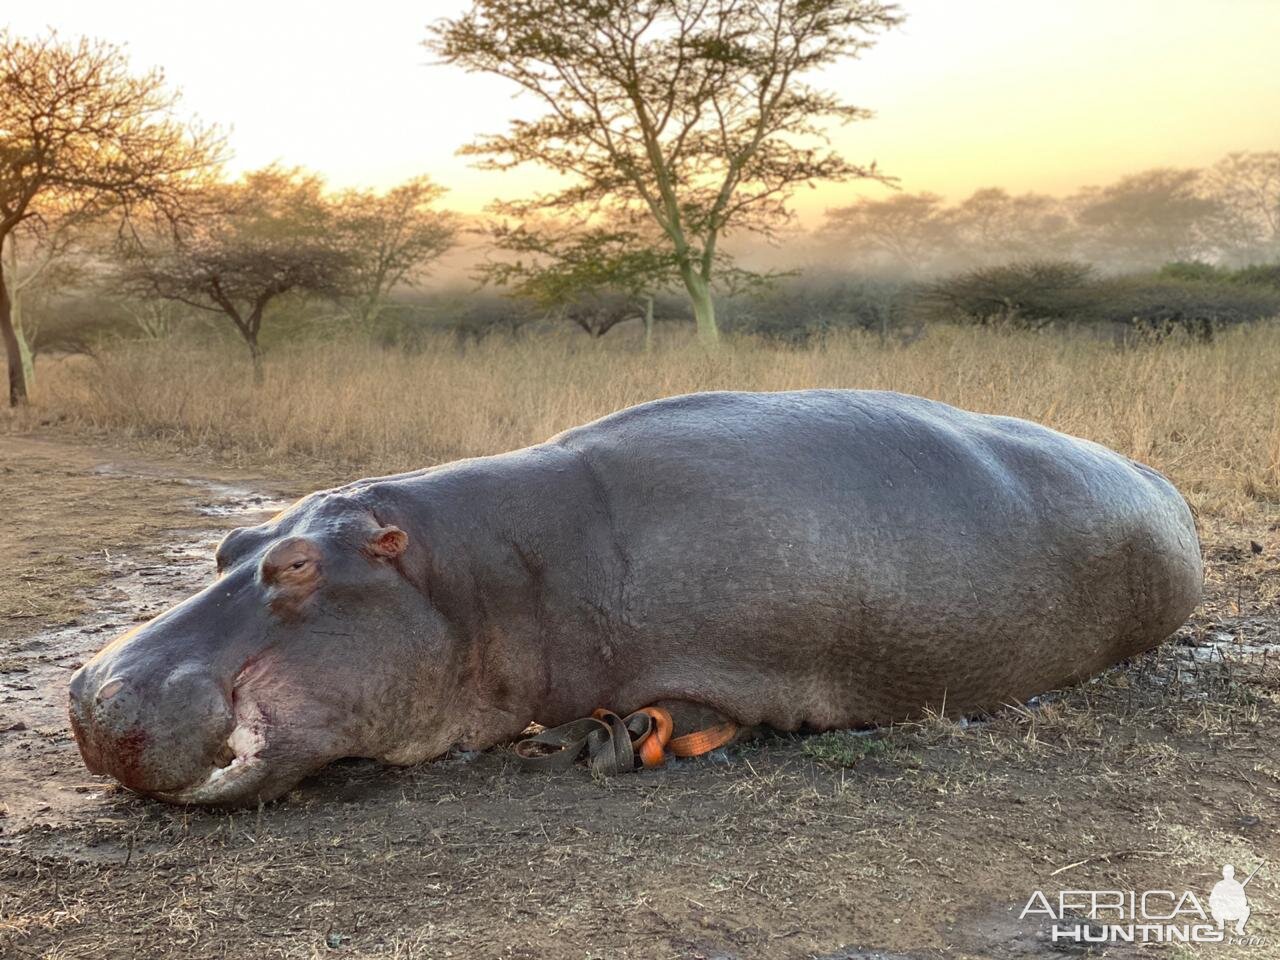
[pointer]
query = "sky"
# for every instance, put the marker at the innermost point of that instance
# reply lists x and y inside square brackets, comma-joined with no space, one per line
[1025,94]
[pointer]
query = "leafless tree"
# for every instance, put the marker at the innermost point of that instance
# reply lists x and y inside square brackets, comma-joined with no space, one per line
[1247,189]
[41,255]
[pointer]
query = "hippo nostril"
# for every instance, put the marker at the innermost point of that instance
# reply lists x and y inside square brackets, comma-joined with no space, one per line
[110,689]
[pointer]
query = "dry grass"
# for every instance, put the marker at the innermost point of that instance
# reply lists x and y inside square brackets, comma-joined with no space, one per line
[1208,415]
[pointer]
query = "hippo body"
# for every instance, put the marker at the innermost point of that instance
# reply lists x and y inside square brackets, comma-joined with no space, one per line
[814,559]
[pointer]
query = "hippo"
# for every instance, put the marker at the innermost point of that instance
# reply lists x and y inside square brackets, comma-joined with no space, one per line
[806,560]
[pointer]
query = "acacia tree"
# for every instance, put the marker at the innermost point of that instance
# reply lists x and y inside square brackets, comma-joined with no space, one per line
[906,231]
[248,244]
[1146,219]
[594,276]
[692,111]
[391,238]
[1247,189]
[80,132]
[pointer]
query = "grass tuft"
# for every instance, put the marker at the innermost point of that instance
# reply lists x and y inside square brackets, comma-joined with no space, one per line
[846,748]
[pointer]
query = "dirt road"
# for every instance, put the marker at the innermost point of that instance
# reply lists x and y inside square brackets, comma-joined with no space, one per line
[921,841]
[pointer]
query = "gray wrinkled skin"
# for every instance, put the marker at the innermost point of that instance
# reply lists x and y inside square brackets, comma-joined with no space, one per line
[816,559]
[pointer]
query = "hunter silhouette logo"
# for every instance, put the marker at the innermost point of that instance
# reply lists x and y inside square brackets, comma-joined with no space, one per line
[1149,916]
[1228,902]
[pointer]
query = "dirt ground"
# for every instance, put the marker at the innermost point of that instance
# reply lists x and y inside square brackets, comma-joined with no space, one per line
[920,841]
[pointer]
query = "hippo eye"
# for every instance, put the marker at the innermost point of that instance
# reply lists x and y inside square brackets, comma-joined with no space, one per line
[291,563]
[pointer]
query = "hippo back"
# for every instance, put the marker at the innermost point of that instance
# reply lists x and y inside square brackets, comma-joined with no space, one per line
[830,558]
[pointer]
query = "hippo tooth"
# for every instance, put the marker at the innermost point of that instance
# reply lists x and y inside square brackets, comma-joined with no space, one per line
[245,741]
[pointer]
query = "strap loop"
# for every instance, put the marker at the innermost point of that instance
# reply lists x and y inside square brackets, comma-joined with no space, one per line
[615,744]
[653,746]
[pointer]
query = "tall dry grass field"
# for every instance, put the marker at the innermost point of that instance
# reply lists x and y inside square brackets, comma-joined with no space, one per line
[1208,415]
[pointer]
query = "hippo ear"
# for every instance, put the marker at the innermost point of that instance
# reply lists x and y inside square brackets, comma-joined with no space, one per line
[388,542]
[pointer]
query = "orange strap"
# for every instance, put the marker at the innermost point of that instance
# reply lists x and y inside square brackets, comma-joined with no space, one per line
[613,743]
[652,748]
[704,741]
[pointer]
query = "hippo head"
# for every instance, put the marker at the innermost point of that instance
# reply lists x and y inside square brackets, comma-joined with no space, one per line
[307,647]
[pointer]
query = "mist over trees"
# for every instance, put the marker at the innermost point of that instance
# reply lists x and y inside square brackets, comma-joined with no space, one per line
[1246,188]
[1228,214]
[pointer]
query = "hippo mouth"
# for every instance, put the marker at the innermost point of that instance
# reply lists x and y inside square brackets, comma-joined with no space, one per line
[239,767]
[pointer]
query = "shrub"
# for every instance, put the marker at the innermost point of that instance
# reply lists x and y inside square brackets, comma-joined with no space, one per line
[1262,275]
[796,309]
[76,322]
[1031,295]
[1159,304]
[410,320]
[1195,297]
[1192,270]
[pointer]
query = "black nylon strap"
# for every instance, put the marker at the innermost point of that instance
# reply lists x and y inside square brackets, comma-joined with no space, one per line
[608,740]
